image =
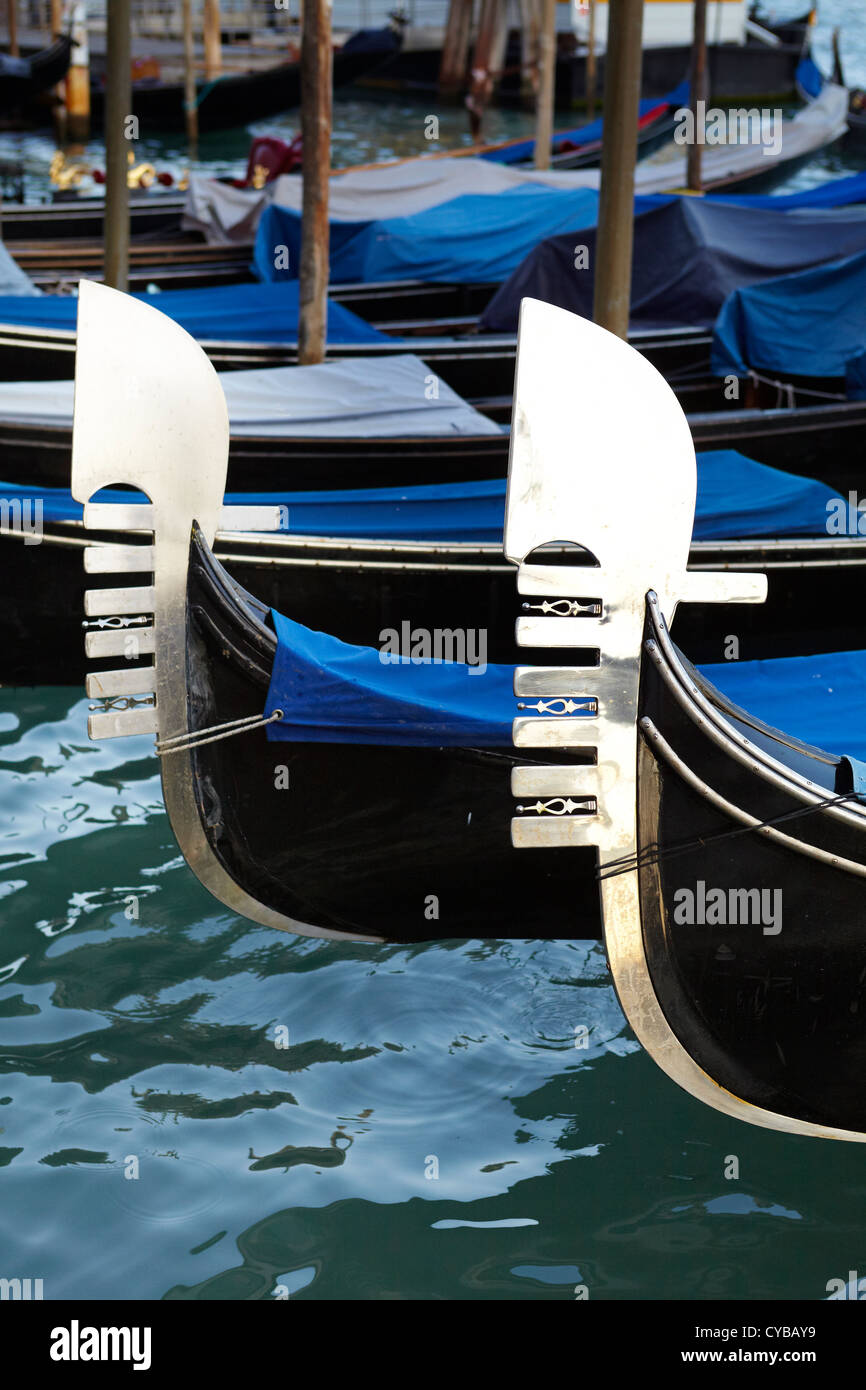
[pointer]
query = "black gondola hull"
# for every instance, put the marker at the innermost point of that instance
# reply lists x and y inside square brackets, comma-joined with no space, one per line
[756,949]
[406,843]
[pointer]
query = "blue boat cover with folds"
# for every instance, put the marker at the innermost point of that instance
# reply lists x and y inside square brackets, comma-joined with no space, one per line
[689,255]
[225,313]
[479,237]
[737,498]
[812,324]
[332,692]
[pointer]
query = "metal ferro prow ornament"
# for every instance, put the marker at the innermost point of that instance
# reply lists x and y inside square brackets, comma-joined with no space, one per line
[150,414]
[620,483]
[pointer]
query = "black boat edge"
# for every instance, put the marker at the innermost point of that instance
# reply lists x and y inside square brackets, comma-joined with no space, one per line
[629,772]
[27,79]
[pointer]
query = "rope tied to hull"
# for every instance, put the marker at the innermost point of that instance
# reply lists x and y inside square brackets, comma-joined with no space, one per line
[654,854]
[181,743]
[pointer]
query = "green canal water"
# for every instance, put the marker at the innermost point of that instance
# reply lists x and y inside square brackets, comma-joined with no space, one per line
[195,1108]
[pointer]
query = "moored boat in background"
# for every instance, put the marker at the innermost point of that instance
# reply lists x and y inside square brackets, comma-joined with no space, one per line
[613,771]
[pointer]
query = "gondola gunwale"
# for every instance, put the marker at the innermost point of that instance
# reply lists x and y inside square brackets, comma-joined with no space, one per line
[223,618]
[707,715]
[637,894]
[686,712]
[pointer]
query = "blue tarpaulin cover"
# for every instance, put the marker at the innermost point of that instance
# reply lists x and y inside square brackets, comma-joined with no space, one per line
[478,237]
[689,255]
[225,313]
[486,237]
[811,324]
[332,692]
[819,699]
[737,498]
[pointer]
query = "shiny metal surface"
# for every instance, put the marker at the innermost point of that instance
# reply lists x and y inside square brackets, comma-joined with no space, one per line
[624,489]
[661,746]
[150,415]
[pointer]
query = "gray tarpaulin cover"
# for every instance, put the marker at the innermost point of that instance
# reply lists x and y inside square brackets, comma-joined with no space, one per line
[228,214]
[13,279]
[378,397]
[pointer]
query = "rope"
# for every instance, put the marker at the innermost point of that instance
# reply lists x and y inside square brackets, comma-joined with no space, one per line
[786,391]
[180,743]
[653,854]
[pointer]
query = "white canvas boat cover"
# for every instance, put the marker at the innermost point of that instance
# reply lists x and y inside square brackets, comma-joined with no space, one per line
[13,280]
[371,398]
[813,127]
[226,214]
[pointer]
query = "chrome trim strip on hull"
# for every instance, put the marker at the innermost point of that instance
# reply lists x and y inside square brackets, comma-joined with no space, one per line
[660,744]
[756,759]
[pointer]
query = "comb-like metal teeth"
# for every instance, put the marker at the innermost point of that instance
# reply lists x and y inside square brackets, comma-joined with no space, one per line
[119,559]
[265,518]
[559,632]
[556,580]
[139,680]
[119,723]
[552,832]
[118,516]
[136,598]
[553,680]
[547,780]
[555,733]
[118,641]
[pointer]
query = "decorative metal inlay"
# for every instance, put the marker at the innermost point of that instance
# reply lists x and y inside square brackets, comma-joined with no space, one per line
[565,608]
[116,621]
[122,702]
[561,806]
[565,706]
[625,491]
[128,356]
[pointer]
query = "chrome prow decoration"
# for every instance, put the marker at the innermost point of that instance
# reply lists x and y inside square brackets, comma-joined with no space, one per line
[622,486]
[150,414]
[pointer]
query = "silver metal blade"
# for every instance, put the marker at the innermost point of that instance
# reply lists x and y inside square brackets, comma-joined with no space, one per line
[149,411]
[601,453]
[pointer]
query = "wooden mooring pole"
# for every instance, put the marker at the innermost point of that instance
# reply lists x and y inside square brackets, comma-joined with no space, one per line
[190,104]
[78,79]
[618,158]
[455,47]
[487,61]
[697,96]
[546,84]
[12,19]
[213,48]
[316,85]
[118,110]
[591,66]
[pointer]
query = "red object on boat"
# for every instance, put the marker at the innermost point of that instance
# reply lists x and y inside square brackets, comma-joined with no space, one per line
[274,156]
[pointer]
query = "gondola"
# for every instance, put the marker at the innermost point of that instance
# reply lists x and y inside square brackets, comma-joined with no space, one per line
[355,588]
[824,440]
[754,70]
[477,366]
[366,819]
[237,99]
[83,216]
[23,79]
[183,261]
